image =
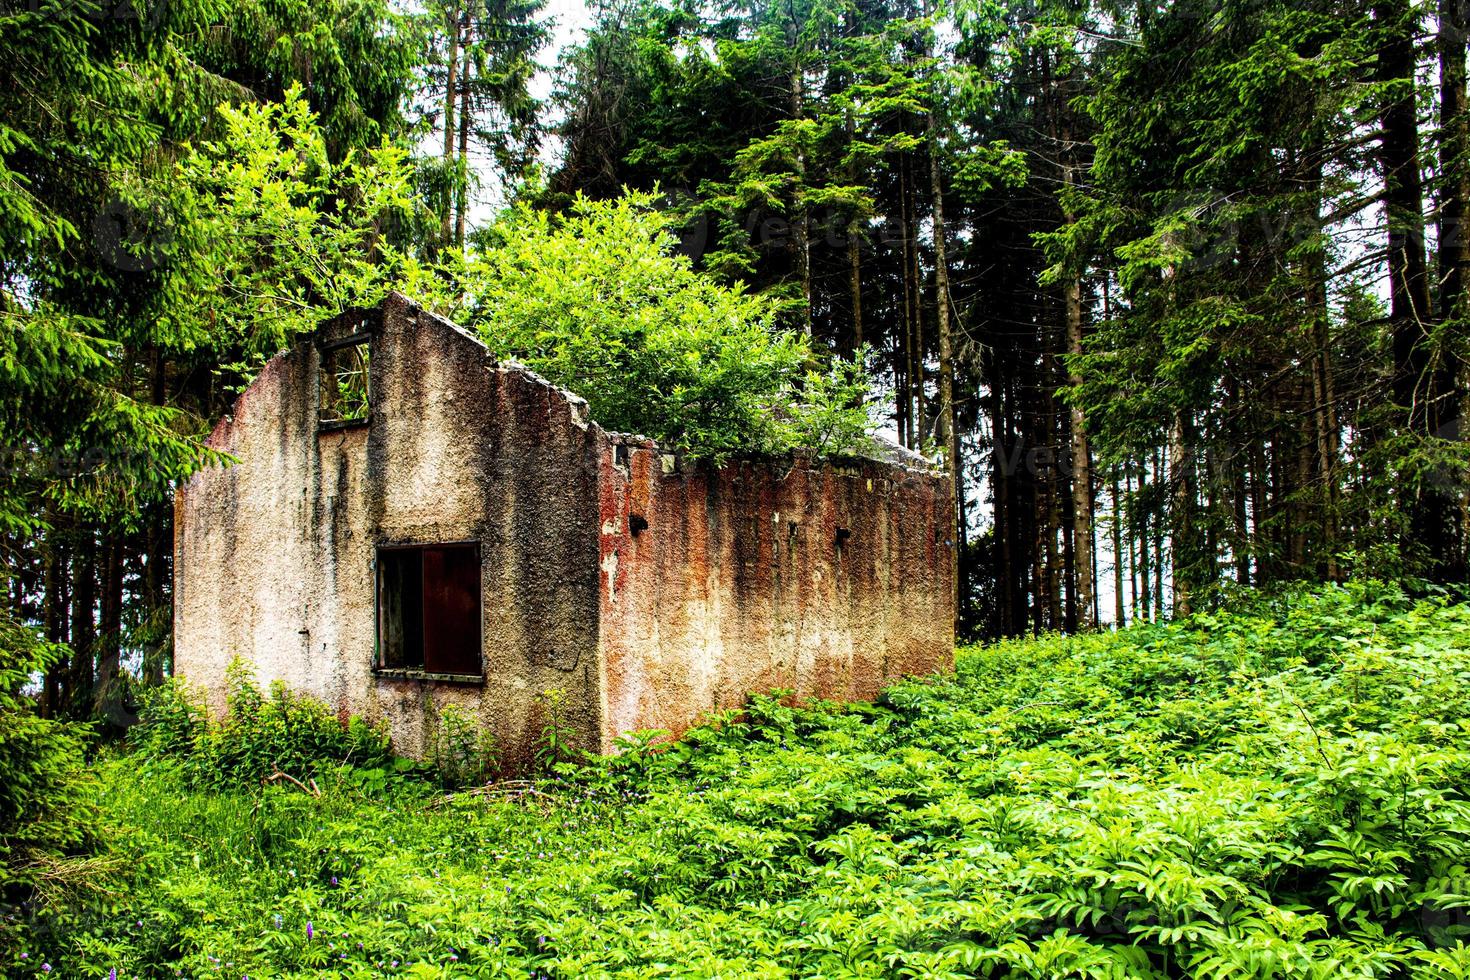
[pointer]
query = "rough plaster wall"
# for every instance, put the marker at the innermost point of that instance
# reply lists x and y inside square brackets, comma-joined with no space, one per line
[738,583]
[274,554]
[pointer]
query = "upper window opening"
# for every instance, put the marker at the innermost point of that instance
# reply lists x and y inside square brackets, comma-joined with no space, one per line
[429,609]
[344,382]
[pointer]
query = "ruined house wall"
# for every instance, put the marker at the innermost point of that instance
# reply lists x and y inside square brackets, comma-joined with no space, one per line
[649,592]
[828,579]
[274,555]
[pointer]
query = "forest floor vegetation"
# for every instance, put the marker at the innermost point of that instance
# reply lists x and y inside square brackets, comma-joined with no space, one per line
[1273,789]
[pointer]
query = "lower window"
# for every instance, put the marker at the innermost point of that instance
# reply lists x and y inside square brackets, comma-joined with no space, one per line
[429,609]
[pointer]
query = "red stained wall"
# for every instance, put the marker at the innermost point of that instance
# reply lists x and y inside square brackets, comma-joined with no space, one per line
[829,579]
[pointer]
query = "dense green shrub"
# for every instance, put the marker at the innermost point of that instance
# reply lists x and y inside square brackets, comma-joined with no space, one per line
[45,810]
[1277,790]
[261,734]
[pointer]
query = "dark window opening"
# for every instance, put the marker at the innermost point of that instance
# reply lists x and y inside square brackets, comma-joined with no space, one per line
[429,609]
[344,382]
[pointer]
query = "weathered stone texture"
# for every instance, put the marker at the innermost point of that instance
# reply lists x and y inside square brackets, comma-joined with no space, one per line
[648,592]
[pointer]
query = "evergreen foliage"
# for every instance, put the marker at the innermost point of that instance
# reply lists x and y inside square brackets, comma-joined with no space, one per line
[46,811]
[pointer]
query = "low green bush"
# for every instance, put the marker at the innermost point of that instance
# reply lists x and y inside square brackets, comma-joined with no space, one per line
[261,734]
[1277,790]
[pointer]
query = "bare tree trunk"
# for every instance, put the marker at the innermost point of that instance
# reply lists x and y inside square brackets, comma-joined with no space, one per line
[800,230]
[462,196]
[83,622]
[1454,157]
[904,388]
[1182,481]
[854,253]
[158,554]
[54,613]
[108,695]
[1001,491]
[914,275]
[451,93]
[1081,461]
[1423,388]
[949,436]
[1142,598]
[1120,610]
[1158,534]
[1050,517]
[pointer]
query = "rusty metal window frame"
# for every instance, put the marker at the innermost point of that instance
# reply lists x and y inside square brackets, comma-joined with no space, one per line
[419,673]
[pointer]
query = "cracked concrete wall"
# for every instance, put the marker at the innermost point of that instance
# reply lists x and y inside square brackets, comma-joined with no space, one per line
[274,555]
[830,579]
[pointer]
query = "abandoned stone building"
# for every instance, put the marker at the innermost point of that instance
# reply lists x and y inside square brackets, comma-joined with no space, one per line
[410,524]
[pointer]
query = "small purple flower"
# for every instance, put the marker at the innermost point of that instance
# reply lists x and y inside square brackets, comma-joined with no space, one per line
[112,974]
[334,881]
[45,967]
[308,930]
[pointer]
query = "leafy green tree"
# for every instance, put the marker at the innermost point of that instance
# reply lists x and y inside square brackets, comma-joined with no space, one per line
[602,303]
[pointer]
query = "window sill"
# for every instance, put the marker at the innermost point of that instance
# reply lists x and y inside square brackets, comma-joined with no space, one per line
[326,428]
[410,674]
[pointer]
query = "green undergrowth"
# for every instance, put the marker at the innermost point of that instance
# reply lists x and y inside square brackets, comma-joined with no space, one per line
[1273,791]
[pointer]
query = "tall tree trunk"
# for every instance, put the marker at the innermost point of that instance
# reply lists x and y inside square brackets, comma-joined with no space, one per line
[854,251]
[949,435]
[1403,200]
[451,94]
[913,278]
[1454,232]
[908,429]
[83,622]
[1120,610]
[1241,539]
[1140,528]
[1081,458]
[1181,479]
[462,196]
[54,612]
[1261,543]
[1000,485]
[1050,516]
[800,228]
[1454,158]
[1158,533]
[1324,395]
[107,699]
[158,554]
